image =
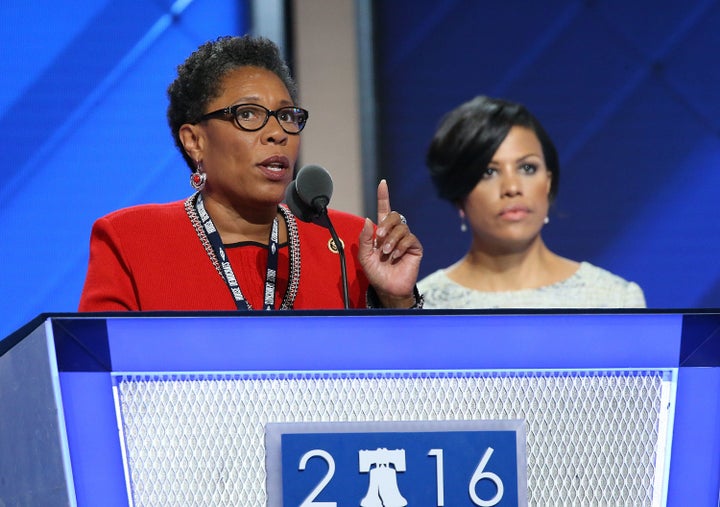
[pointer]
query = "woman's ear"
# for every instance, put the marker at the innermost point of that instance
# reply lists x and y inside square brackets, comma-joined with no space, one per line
[549,182]
[191,140]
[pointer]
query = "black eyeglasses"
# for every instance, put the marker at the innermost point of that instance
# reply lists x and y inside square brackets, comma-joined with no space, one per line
[252,117]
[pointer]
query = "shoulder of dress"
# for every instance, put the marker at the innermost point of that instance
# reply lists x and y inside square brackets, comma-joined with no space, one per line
[432,279]
[599,274]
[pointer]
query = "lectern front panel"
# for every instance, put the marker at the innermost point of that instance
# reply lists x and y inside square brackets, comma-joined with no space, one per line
[593,437]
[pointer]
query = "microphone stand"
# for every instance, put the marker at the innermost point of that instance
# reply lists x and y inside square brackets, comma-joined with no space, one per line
[323,217]
[316,211]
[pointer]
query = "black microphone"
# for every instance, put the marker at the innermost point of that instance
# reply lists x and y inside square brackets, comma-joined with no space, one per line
[309,194]
[308,197]
[315,187]
[298,207]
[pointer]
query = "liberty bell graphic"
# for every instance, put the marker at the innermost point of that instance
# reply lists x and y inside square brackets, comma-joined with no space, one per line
[383,490]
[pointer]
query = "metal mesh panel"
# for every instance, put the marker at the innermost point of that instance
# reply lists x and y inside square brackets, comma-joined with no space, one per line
[592,437]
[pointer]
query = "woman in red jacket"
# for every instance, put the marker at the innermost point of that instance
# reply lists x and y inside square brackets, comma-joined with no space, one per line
[232,245]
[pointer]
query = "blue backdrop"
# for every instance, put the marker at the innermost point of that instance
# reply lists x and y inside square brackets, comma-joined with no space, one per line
[82,119]
[627,90]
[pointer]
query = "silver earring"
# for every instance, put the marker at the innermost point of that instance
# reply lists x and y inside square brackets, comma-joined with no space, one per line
[547,220]
[198,178]
[463,225]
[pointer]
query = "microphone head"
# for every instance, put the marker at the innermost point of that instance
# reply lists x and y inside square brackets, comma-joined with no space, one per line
[298,208]
[314,187]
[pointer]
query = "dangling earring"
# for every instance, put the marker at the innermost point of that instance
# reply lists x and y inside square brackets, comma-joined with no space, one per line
[463,224]
[198,178]
[546,220]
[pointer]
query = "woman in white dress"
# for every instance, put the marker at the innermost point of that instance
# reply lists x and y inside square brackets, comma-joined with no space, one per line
[493,160]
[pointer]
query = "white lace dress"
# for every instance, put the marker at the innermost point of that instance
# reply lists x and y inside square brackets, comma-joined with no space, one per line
[589,287]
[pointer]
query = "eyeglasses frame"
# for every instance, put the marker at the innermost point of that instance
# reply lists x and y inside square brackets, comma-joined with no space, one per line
[228,113]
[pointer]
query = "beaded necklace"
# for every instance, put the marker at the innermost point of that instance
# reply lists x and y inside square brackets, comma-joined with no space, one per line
[212,243]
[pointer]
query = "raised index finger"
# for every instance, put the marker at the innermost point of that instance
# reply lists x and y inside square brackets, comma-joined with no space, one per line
[383,204]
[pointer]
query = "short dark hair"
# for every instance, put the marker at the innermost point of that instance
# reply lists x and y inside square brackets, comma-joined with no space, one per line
[200,75]
[469,136]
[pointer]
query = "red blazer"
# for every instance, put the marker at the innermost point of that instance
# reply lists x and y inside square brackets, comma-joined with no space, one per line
[149,257]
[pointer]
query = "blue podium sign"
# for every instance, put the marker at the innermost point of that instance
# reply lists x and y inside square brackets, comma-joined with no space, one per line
[395,464]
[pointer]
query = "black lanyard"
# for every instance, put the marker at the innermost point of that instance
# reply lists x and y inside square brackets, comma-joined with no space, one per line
[226,269]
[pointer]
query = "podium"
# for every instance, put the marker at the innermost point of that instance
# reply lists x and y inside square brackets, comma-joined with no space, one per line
[170,409]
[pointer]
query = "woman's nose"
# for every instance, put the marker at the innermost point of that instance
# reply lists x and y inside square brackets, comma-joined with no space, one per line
[272,132]
[510,185]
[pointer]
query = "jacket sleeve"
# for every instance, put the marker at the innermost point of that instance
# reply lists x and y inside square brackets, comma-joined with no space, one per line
[109,284]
